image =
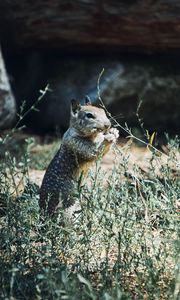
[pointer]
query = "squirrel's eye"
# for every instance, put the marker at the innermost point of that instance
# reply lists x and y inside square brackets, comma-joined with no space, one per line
[90,116]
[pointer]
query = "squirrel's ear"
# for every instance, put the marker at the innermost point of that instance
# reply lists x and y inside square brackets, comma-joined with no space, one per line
[75,106]
[87,100]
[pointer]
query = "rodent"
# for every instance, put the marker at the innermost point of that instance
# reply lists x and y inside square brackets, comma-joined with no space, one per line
[89,135]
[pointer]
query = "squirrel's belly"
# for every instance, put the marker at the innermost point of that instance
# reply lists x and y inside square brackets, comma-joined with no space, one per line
[83,170]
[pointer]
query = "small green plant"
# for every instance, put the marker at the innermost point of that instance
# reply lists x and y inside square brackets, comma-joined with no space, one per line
[124,244]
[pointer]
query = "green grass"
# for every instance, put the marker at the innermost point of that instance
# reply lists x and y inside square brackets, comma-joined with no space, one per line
[124,245]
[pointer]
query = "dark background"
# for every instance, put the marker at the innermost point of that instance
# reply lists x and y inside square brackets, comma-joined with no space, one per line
[66,44]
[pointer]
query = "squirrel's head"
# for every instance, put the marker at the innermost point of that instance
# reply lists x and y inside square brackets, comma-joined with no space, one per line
[87,119]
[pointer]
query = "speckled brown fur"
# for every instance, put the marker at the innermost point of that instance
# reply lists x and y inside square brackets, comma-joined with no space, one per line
[88,136]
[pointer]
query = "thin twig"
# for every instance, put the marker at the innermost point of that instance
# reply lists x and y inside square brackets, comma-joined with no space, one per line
[126,129]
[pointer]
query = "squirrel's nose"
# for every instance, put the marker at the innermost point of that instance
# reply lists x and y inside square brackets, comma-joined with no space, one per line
[108,124]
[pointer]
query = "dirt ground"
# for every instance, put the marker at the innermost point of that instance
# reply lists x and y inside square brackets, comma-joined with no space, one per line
[140,158]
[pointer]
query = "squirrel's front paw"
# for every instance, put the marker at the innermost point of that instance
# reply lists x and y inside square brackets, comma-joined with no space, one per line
[112,135]
[99,139]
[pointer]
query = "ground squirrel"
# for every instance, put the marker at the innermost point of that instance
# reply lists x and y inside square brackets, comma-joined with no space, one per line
[89,135]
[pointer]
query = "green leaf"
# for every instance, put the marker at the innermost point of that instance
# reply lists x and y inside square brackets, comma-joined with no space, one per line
[152,138]
[84,280]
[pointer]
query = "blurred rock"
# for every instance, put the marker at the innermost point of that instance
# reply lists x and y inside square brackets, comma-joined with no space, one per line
[125,82]
[148,26]
[31,31]
[149,89]
[7,101]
